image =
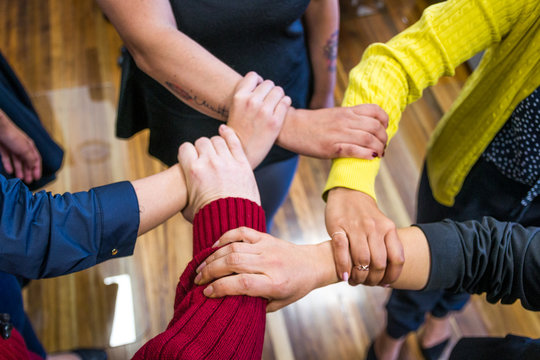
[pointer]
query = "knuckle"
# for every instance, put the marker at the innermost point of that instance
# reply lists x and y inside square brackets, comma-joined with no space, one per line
[242,231]
[234,247]
[233,259]
[245,282]
[378,264]
[369,224]
[252,102]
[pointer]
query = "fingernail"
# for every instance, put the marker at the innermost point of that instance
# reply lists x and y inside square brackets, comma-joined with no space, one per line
[198,278]
[386,285]
[200,267]
[375,154]
[345,276]
[216,244]
[208,291]
[222,127]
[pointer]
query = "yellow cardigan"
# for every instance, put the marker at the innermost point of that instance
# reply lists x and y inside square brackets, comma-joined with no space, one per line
[394,74]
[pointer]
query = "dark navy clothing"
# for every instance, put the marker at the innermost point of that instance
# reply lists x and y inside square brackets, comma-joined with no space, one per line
[14,101]
[500,259]
[516,147]
[45,235]
[510,347]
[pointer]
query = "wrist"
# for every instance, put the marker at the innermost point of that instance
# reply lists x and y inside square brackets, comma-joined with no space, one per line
[288,132]
[325,268]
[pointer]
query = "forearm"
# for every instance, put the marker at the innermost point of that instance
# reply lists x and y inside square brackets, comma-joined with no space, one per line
[160,196]
[232,327]
[497,258]
[177,62]
[54,235]
[322,27]
[394,74]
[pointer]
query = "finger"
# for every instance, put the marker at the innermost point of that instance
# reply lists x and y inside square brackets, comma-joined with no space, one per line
[236,247]
[354,151]
[234,144]
[273,98]
[240,234]
[360,254]
[204,147]
[396,258]
[262,90]
[340,244]
[282,107]
[371,126]
[220,146]
[364,137]
[6,161]
[187,154]
[377,264]
[36,164]
[243,284]
[374,111]
[233,263]
[17,165]
[280,111]
[27,171]
[248,83]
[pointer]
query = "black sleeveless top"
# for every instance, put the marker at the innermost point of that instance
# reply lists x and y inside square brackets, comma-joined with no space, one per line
[263,36]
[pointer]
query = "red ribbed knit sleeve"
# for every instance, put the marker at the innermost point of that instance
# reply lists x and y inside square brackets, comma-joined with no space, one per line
[15,348]
[203,328]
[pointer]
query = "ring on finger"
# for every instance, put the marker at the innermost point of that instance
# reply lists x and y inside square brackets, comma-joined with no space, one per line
[362,267]
[337,232]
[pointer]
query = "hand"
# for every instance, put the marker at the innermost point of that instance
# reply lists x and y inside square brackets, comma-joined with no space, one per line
[361,233]
[357,131]
[216,168]
[262,265]
[18,152]
[257,113]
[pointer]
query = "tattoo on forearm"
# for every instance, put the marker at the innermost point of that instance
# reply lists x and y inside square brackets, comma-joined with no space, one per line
[185,95]
[330,51]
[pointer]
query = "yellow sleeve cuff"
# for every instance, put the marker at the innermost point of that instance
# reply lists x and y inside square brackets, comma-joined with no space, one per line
[355,174]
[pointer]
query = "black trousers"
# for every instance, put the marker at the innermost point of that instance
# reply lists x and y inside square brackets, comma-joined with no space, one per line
[485,192]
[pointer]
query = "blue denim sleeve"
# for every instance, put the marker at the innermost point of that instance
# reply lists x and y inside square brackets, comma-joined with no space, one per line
[501,259]
[46,235]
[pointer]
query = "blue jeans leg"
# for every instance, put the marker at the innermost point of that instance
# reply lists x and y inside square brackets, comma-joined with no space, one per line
[274,181]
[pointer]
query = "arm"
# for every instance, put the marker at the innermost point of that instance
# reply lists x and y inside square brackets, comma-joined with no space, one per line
[86,227]
[202,81]
[54,235]
[322,27]
[393,75]
[498,258]
[203,328]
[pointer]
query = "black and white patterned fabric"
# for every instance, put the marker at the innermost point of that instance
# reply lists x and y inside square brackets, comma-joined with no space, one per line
[515,150]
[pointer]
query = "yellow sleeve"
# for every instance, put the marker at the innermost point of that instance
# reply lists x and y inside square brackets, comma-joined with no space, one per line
[394,74]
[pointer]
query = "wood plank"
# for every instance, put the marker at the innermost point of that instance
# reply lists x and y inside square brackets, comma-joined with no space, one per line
[65,53]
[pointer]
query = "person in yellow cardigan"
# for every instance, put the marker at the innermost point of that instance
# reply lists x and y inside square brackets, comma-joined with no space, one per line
[483,158]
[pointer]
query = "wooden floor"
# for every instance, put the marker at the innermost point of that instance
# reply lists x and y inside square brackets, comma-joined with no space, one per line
[65,52]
